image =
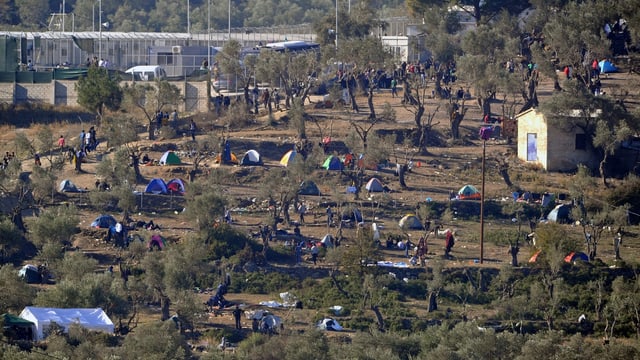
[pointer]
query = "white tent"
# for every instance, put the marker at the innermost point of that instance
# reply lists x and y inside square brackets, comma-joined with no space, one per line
[92,319]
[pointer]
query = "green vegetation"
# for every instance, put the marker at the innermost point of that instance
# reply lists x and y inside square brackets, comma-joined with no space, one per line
[452,308]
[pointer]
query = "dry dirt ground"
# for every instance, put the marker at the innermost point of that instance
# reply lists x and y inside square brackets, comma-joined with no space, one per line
[445,168]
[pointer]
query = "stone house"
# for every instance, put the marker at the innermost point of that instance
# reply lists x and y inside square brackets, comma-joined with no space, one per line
[554,149]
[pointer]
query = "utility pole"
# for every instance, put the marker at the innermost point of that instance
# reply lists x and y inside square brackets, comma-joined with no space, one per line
[100,28]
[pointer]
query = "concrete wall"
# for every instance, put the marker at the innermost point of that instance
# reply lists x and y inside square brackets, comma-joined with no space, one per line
[63,92]
[556,148]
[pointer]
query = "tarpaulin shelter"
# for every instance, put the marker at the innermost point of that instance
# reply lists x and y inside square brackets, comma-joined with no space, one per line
[92,319]
[560,214]
[329,324]
[607,67]
[68,186]
[30,274]
[169,158]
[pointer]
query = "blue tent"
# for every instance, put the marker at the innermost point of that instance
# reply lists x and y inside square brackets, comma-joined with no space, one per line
[576,256]
[156,186]
[607,67]
[103,222]
[332,163]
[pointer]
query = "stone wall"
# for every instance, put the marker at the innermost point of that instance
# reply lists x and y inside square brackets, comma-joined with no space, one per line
[63,92]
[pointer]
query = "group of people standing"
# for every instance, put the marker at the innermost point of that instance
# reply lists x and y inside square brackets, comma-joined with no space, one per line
[268,99]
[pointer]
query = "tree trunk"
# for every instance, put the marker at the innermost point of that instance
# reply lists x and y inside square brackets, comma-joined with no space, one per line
[152,135]
[17,220]
[372,110]
[337,284]
[401,171]
[513,250]
[423,139]
[603,174]
[165,302]
[455,118]
[379,317]
[433,301]
[503,169]
[135,163]
[285,211]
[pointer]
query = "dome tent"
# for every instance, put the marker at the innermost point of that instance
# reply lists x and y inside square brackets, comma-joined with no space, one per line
[251,158]
[288,157]
[103,222]
[308,187]
[374,185]
[156,186]
[469,192]
[332,163]
[410,221]
[176,186]
[169,158]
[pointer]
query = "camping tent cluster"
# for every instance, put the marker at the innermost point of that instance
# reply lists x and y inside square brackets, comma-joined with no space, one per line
[158,186]
[42,318]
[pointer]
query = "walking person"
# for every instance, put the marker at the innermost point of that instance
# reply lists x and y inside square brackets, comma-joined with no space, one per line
[394,87]
[237,313]
[314,253]
[193,129]
[329,216]
[82,136]
[61,143]
[301,210]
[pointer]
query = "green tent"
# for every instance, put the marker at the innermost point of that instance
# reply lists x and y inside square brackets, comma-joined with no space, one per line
[17,328]
[9,320]
[169,158]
